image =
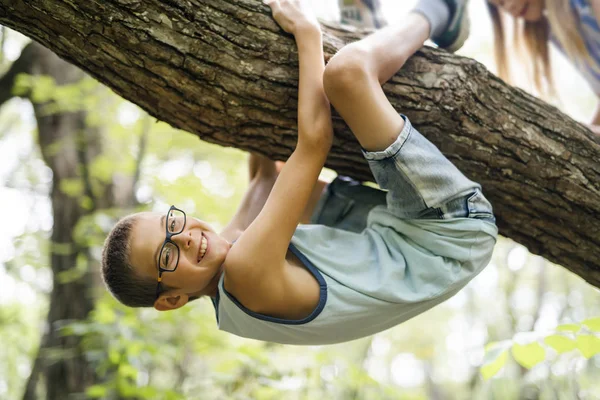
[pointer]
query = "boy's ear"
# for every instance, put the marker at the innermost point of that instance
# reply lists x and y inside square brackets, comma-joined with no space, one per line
[170,301]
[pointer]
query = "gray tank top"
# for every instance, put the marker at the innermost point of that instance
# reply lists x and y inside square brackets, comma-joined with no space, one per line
[370,281]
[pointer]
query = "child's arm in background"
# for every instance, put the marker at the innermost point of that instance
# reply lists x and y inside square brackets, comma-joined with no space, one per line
[261,166]
[263,173]
[256,270]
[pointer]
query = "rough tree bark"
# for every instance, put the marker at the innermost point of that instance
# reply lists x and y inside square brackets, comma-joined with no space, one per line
[223,70]
[68,146]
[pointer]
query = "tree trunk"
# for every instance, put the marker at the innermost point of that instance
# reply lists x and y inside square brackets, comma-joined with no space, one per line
[222,69]
[68,146]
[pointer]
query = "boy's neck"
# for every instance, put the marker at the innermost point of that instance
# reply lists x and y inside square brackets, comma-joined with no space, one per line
[212,288]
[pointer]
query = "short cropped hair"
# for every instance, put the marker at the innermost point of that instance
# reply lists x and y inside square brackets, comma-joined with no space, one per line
[118,274]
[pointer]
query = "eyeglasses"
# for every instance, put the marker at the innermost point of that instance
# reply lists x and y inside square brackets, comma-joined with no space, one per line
[168,257]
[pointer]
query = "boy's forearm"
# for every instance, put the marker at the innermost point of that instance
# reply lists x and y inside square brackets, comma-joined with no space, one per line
[314,112]
[259,165]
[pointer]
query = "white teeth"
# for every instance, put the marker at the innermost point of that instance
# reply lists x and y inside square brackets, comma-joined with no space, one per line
[203,246]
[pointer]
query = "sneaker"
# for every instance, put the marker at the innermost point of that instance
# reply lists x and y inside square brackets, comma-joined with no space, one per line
[458,29]
[365,14]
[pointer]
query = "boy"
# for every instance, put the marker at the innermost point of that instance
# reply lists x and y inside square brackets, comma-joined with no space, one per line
[273,280]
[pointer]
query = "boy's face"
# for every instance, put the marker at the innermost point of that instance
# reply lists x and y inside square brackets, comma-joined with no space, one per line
[194,272]
[529,10]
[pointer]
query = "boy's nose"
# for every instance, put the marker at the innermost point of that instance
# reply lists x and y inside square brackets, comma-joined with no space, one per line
[184,239]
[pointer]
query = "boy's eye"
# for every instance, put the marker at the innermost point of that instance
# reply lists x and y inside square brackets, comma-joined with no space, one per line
[175,221]
[165,257]
[168,257]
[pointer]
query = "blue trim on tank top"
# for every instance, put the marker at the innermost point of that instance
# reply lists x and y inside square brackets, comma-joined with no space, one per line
[215,303]
[314,314]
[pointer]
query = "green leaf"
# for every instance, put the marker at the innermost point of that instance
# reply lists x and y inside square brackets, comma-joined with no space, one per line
[592,324]
[75,328]
[495,358]
[127,371]
[72,187]
[491,369]
[86,203]
[96,391]
[22,86]
[43,87]
[105,314]
[589,345]
[114,356]
[529,355]
[568,328]
[71,274]
[102,167]
[148,392]
[62,249]
[560,343]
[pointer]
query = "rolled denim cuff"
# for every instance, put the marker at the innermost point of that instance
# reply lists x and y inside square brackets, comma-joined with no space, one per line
[393,148]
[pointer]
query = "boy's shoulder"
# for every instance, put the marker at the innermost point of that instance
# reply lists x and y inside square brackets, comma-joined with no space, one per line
[284,291]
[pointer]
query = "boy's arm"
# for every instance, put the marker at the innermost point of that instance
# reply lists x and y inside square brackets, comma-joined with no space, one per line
[256,266]
[263,173]
[260,166]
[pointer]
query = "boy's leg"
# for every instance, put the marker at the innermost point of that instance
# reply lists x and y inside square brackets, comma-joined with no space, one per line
[345,204]
[354,75]
[420,180]
[353,79]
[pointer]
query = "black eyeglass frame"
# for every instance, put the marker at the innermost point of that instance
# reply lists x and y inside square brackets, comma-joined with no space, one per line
[168,236]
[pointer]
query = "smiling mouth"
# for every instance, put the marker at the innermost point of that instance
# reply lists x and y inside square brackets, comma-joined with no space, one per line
[203,248]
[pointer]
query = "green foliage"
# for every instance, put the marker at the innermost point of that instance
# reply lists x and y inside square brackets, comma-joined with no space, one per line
[43,90]
[568,328]
[588,345]
[102,168]
[76,272]
[566,338]
[19,329]
[528,355]
[72,187]
[560,343]
[593,324]
[181,355]
[495,358]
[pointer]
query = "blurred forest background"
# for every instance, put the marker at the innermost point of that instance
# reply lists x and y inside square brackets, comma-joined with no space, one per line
[74,157]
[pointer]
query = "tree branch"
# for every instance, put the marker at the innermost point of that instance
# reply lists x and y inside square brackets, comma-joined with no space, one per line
[223,69]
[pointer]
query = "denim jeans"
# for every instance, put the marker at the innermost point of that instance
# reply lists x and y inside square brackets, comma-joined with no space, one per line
[418,182]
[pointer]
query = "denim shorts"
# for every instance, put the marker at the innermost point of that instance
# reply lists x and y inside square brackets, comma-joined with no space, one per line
[418,182]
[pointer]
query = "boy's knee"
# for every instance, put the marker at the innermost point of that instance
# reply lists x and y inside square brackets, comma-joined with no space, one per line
[346,70]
